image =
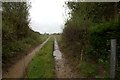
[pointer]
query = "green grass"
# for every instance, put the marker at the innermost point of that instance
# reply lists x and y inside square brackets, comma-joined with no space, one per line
[59,37]
[88,69]
[42,65]
[44,37]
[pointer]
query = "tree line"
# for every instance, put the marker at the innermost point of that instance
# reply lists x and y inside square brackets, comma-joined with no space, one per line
[90,28]
[16,33]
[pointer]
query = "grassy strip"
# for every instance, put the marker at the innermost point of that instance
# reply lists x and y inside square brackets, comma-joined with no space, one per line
[88,69]
[42,65]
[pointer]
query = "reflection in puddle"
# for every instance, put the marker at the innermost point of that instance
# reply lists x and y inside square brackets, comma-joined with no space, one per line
[57,54]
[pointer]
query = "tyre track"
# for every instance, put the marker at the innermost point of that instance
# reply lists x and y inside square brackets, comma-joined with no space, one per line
[19,70]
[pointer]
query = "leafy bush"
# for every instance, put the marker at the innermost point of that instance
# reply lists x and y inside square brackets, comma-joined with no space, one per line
[11,48]
[100,42]
[100,37]
[90,28]
[16,33]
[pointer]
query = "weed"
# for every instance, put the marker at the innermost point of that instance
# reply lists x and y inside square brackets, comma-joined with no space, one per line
[42,65]
[88,69]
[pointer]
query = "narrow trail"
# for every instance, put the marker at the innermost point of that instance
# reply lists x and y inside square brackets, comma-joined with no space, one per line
[63,68]
[19,69]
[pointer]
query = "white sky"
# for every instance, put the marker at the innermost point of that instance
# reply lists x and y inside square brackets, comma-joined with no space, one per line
[47,15]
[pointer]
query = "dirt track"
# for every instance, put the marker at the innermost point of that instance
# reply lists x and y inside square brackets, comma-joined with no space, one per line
[19,69]
[63,67]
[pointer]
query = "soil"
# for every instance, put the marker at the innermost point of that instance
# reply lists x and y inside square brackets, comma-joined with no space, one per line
[19,66]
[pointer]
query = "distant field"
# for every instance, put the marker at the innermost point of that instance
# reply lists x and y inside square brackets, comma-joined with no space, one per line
[42,65]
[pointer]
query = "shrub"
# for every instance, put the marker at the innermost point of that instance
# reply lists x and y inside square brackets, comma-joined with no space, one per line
[100,37]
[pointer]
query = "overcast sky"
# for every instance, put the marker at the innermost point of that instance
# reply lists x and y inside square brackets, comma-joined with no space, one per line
[47,15]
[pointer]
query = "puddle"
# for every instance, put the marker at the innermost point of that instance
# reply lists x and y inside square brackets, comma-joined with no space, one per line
[57,54]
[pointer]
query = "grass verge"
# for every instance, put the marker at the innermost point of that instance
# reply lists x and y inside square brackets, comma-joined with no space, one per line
[88,69]
[42,65]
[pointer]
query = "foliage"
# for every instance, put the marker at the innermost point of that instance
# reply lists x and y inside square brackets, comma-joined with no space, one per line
[42,65]
[83,16]
[88,69]
[97,12]
[90,28]
[15,20]
[16,33]
[100,43]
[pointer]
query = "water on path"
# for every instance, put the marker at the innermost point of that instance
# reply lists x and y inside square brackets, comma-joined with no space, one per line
[63,68]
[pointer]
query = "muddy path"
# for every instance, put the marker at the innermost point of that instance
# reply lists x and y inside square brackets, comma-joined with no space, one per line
[63,67]
[18,70]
